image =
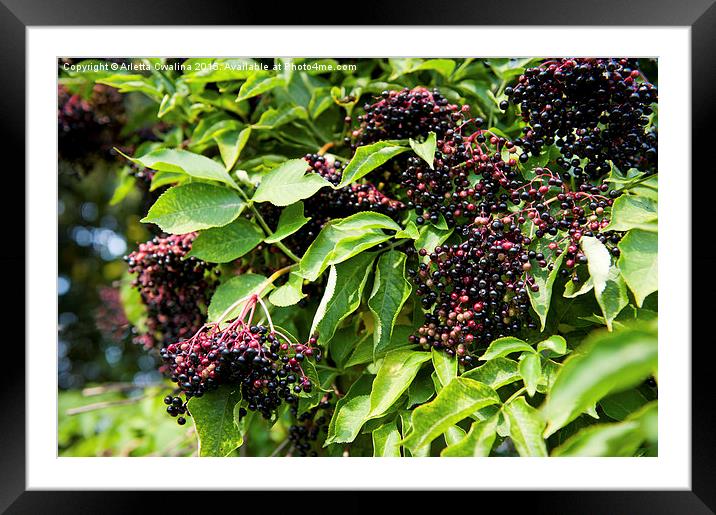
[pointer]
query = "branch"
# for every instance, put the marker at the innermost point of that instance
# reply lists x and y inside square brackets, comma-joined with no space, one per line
[102,405]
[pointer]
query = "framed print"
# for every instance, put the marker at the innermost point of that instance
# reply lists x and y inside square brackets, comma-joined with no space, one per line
[426,257]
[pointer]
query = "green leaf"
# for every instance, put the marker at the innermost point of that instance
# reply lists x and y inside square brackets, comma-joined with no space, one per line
[426,149]
[290,221]
[362,353]
[598,261]
[421,389]
[213,416]
[648,418]
[553,346]
[183,161]
[410,232]
[386,440]
[550,369]
[453,435]
[605,279]
[402,66]
[259,83]
[390,291]
[231,291]
[603,364]
[621,439]
[443,66]
[126,83]
[530,368]
[224,244]
[456,401]
[342,295]
[445,366]
[125,185]
[397,371]
[368,158]
[290,293]
[496,373]
[231,144]
[620,405]
[477,443]
[571,291]
[289,183]
[544,279]
[430,237]
[211,127]
[351,412]
[309,400]
[613,298]
[194,206]
[168,178]
[633,212]
[506,345]
[320,101]
[343,343]
[342,239]
[274,118]
[639,263]
[526,426]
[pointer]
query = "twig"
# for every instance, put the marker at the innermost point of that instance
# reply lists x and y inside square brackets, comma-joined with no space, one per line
[176,444]
[279,448]
[115,387]
[265,226]
[102,405]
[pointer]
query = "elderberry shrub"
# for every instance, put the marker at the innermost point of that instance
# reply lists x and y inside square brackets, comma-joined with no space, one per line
[174,288]
[88,128]
[305,433]
[260,359]
[593,109]
[408,113]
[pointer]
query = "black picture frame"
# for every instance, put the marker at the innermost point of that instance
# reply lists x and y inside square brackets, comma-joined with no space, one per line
[699,15]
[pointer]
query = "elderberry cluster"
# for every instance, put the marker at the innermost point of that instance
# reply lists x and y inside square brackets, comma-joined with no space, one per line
[110,317]
[592,109]
[477,290]
[449,189]
[174,287]
[351,199]
[88,127]
[309,426]
[408,113]
[261,360]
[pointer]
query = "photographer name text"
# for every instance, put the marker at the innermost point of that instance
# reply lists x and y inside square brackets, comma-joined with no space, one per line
[205,66]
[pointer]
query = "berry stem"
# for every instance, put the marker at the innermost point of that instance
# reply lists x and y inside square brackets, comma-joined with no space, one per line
[265,226]
[266,312]
[269,233]
[270,280]
[325,148]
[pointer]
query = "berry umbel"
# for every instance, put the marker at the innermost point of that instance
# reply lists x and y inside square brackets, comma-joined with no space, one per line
[174,287]
[595,110]
[264,362]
